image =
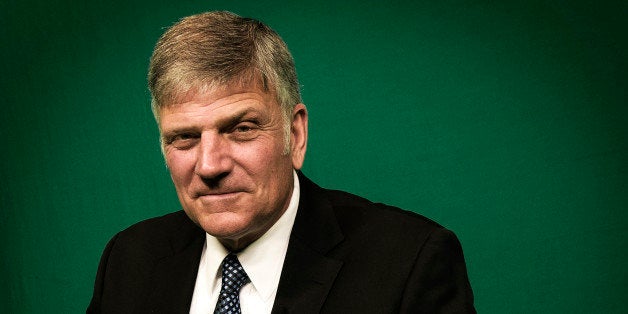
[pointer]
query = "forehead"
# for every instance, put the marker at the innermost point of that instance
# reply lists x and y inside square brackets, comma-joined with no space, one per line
[215,90]
[220,102]
[183,88]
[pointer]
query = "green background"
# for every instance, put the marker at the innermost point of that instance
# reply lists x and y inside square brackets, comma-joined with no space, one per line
[504,121]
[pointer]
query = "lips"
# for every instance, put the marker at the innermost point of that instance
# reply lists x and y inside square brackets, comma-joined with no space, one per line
[217,194]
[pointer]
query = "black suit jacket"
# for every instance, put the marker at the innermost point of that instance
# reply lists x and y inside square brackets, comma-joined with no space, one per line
[345,255]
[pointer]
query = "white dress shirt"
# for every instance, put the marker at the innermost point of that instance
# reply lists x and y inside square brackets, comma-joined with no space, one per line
[262,261]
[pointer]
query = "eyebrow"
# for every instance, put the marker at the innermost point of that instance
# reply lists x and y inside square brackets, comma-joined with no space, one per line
[235,119]
[222,123]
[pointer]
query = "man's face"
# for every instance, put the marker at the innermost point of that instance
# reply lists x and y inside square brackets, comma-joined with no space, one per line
[225,152]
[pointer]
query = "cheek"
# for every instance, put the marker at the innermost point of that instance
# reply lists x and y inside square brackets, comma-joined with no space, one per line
[274,169]
[180,165]
[267,168]
[265,159]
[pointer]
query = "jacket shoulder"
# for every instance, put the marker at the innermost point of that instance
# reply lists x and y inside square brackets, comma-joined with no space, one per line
[168,232]
[128,271]
[378,216]
[155,226]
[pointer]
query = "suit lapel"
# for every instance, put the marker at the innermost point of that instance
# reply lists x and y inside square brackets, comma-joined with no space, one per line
[308,274]
[174,275]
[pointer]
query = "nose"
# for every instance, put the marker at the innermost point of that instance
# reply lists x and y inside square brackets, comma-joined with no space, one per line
[213,161]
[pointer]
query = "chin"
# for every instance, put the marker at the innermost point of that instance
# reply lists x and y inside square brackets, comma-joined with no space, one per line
[224,225]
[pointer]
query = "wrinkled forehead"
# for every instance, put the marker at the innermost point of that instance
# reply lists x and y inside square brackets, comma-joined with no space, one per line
[183,90]
[209,93]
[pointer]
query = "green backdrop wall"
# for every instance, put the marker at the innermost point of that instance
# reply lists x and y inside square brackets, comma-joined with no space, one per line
[506,121]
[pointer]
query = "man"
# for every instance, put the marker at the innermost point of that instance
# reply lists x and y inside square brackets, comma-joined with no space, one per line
[255,235]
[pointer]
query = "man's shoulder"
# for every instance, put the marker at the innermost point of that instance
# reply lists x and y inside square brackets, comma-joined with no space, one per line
[165,224]
[360,215]
[158,233]
[385,235]
[378,215]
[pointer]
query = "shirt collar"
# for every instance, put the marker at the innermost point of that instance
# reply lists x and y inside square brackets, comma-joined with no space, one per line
[263,259]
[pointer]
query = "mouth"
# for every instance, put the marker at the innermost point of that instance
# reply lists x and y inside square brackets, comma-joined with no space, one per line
[215,196]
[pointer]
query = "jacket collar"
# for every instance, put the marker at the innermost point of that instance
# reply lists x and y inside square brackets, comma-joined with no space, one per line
[308,273]
[172,284]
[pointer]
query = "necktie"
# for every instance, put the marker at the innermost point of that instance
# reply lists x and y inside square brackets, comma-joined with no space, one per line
[233,278]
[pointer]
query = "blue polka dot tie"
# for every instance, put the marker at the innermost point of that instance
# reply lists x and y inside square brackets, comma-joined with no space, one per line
[233,278]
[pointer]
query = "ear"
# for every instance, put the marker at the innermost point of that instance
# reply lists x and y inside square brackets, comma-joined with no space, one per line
[298,135]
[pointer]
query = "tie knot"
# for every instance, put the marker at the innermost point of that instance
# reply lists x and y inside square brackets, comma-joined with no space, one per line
[233,275]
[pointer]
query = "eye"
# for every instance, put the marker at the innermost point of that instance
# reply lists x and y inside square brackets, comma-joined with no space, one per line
[183,140]
[244,131]
[243,128]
